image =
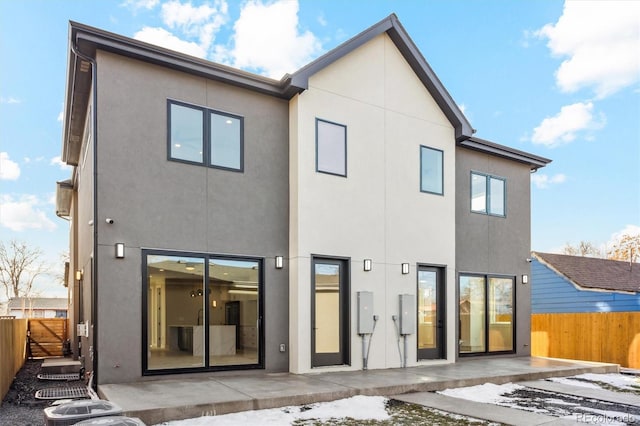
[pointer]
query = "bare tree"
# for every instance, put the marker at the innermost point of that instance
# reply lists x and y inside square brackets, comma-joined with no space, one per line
[584,248]
[626,248]
[20,265]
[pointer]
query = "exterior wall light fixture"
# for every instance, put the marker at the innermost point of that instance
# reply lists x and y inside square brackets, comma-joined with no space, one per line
[367,265]
[405,268]
[78,275]
[525,279]
[119,250]
[279,262]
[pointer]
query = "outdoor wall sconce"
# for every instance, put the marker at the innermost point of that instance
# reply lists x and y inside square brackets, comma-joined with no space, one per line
[119,250]
[525,279]
[367,265]
[78,275]
[405,268]
[279,262]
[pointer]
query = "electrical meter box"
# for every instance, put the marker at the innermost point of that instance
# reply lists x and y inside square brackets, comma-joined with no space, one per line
[365,312]
[407,314]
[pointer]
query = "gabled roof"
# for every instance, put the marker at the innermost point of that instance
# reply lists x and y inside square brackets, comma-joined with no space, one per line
[391,25]
[593,273]
[38,303]
[85,40]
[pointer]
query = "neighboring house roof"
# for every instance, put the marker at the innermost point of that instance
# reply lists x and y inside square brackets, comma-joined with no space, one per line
[85,40]
[57,303]
[593,273]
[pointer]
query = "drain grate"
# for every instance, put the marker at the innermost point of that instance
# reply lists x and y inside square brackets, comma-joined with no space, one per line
[63,392]
[60,377]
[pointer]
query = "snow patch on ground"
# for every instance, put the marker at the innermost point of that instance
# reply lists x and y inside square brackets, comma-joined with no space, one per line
[487,393]
[357,407]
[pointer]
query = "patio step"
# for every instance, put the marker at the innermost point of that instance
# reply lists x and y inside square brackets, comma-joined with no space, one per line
[60,366]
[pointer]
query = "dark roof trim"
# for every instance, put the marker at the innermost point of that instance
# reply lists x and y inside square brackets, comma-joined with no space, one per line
[391,25]
[88,39]
[535,162]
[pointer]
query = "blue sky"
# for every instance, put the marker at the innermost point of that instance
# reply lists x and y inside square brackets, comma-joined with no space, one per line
[558,79]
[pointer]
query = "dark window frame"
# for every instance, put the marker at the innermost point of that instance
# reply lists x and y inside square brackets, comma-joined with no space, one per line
[488,196]
[486,351]
[206,258]
[441,350]
[442,170]
[346,162]
[206,136]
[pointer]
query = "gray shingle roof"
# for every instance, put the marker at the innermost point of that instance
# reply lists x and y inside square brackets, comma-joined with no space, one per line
[594,273]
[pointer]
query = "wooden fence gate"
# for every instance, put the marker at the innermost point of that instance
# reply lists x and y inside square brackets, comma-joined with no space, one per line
[46,336]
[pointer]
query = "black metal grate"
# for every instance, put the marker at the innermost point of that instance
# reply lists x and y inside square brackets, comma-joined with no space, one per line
[59,376]
[63,392]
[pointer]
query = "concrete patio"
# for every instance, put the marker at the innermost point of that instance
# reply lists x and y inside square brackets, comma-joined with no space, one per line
[182,398]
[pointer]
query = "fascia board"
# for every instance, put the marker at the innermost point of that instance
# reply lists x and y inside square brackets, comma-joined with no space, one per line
[534,161]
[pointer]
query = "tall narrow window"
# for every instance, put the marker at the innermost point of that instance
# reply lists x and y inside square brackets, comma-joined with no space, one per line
[331,148]
[431,170]
[226,141]
[487,194]
[185,140]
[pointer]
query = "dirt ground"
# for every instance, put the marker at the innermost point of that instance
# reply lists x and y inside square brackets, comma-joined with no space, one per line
[19,406]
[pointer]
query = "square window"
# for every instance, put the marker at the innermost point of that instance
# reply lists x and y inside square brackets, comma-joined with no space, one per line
[331,148]
[487,194]
[431,170]
[216,141]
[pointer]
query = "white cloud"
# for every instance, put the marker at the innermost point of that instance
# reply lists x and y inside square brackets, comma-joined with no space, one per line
[600,41]
[162,37]
[25,213]
[9,100]
[140,4]
[202,21]
[543,181]
[57,161]
[9,170]
[267,39]
[564,126]
[322,20]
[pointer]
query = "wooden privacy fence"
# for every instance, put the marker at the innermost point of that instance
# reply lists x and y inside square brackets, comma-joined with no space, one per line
[601,336]
[13,339]
[46,336]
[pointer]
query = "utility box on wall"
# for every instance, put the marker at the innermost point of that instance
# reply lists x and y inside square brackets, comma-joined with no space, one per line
[407,314]
[365,312]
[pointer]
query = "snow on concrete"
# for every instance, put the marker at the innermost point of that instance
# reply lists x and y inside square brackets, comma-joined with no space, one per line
[621,381]
[357,407]
[487,393]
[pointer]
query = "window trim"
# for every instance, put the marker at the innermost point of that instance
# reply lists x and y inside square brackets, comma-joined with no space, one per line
[206,136]
[487,323]
[346,162]
[487,204]
[442,170]
[206,256]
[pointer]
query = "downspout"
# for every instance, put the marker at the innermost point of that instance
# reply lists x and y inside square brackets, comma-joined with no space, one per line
[94,269]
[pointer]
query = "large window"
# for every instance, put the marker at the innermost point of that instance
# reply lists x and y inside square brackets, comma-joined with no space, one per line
[203,312]
[331,148]
[203,136]
[486,314]
[487,194]
[431,170]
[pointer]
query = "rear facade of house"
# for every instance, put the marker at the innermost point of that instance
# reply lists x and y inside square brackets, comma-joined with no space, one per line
[343,217]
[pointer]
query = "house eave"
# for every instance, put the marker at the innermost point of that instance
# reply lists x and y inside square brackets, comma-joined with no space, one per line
[533,161]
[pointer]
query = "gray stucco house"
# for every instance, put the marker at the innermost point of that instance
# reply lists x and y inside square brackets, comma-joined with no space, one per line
[223,221]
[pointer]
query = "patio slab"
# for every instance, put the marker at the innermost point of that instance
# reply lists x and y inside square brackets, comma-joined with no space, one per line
[155,401]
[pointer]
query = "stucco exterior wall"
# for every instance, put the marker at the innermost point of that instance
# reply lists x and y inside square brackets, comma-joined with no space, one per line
[161,204]
[377,211]
[497,245]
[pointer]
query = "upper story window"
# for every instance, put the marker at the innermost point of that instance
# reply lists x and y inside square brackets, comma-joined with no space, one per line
[487,194]
[204,136]
[331,148]
[431,170]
